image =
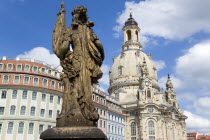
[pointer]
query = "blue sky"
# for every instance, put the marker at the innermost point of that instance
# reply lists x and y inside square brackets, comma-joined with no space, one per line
[175,32]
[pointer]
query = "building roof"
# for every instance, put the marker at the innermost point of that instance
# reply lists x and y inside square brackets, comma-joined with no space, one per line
[131,21]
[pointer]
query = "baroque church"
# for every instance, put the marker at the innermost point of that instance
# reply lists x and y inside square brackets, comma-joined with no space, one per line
[150,113]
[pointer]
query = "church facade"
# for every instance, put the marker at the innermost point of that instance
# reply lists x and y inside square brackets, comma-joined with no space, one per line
[150,113]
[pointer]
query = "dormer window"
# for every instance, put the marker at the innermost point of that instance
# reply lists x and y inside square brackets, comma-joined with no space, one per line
[9,67]
[1,66]
[19,67]
[49,72]
[27,68]
[35,69]
[120,70]
[42,70]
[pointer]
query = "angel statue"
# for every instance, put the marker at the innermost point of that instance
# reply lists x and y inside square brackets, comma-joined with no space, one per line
[81,67]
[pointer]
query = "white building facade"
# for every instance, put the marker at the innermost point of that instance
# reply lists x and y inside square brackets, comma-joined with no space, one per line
[150,114]
[30,98]
[115,120]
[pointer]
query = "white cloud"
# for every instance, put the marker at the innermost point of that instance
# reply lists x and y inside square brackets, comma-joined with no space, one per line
[197,123]
[183,97]
[170,19]
[42,54]
[194,66]
[202,105]
[105,79]
[160,64]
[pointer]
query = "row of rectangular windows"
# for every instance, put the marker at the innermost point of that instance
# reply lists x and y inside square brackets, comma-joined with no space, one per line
[27,81]
[113,129]
[115,118]
[25,96]
[27,69]
[102,101]
[32,111]
[21,128]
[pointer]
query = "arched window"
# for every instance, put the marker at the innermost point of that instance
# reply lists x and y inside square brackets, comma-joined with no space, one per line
[52,85]
[20,128]
[133,129]
[14,94]
[151,127]
[136,36]
[30,128]
[120,70]
[24,95]
[32,113]
[6,79]
[148,93]
[34,94]
[44,82]
[9,67]
[12,110]
[58,112]
[42,70]
[10,128]
[41,127]
[128,35]
[23,110]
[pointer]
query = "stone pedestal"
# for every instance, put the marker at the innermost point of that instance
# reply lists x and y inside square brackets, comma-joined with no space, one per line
[73,133]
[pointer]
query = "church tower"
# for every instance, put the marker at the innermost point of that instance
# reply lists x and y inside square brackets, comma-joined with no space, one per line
[131,35]
[150,113]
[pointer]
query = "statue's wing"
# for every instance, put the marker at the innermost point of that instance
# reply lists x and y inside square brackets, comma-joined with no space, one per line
[59,30]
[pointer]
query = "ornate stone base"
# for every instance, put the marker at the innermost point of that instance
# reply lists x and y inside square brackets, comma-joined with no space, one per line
[73,133]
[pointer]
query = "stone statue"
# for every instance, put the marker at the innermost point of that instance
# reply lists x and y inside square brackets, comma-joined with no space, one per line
[81,69]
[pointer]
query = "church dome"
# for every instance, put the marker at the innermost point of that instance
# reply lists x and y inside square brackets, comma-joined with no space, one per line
[126,68]
[131,21]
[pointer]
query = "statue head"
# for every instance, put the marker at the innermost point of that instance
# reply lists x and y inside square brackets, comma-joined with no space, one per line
[79,15]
